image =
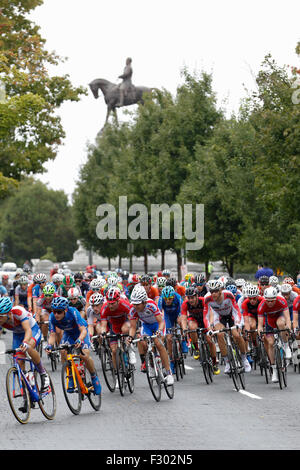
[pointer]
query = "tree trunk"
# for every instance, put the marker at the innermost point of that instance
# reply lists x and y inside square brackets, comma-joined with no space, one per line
[179,263]
[120,261]
[109,264]
[145,260]
[207,275]
[162,267]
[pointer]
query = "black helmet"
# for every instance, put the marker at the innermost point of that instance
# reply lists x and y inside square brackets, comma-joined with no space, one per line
[171,282]
[264,280]
[191,291]
[78,276]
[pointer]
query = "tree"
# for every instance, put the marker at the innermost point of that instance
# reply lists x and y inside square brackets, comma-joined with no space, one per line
[30,130]
[36,219]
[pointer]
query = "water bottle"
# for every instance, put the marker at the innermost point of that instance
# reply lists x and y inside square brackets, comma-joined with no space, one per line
[80,368]
[30,377]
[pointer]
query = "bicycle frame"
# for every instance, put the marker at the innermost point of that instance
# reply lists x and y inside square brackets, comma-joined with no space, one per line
[34,395]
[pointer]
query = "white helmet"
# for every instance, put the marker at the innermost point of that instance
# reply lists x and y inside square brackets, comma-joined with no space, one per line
[138,295]
[73,293]
[252,291]
[95,284]
[270,293]
[273,281]
[214,284]
[223,280]
[286,288]
[240,282]
[112,281]
[96,299]
[161,282]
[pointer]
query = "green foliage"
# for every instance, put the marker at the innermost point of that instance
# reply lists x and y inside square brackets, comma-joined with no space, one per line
[35,220]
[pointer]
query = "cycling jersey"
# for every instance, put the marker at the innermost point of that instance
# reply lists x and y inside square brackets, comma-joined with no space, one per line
[194,313]
[22,294]
[272,313]
[153,293]
[250,310]
[3,291]
[18,315]
[227,308]
[80,304]
[45,302]
[117,317]
[171,312]
[91,316]
[180,290]
[148,315]
[70,324]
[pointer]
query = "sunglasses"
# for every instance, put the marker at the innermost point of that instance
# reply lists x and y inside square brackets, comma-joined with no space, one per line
[48,295]
[58,312]
[213,291]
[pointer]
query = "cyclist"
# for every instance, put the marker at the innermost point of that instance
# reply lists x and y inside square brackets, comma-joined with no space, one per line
[43,305]
[273,311]
[21,292]
[200,283]
[249,309]
[57,280]
[274,282]
[178,288]
[114,314]
[93,313]
[37,290]
[169,304]
[289,295]
[147,311]
[192,317]
[77,300]
[161,282]
[75,329]
[290,280]
[263,284]
[81,284]
[152,292]
[67,282]
[26,335]
[220,309]
[132,282]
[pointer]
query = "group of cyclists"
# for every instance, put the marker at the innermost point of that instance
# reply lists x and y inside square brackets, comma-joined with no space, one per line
[74,308]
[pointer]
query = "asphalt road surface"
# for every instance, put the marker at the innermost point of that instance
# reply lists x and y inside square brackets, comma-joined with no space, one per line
[199,416]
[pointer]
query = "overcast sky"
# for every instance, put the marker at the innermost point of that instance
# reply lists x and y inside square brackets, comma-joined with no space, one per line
[228,38]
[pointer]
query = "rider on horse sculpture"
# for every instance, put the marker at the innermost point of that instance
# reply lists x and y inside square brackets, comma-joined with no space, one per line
[126,85]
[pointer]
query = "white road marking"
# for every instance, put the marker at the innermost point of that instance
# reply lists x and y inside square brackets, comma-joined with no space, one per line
[188,367]
[251,395]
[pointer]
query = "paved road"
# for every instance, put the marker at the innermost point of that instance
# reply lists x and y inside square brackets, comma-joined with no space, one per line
[199,417]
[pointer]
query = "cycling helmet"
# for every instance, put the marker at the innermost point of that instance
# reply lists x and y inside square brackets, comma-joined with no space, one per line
[5,305]
[199,279]
[168,292]
[125,275]
[240,282]
[223,280]
[138,295]
[56,278]
[59,303]
[270,293]
[23,280]
[87,276]
[135,278]
[166,272]
[78,276]
[68,280]
[112,281]
[171,281]
[230,282]
[95,284]
[252,291]
[113,294]
[274,281]
[214,285]
[286,288]
[288,280]
[161,282]
[40,278]
[73,293]
[264,280]
[49,289]
[191,291]
[96,299]
[146,279]
[232,288]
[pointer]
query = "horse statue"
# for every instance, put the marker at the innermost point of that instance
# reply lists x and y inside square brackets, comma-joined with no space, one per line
[111,93]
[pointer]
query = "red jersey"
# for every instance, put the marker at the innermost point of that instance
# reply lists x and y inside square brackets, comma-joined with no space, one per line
[272,313]
[296,304]
[117,317]
[250,310]
[153,293]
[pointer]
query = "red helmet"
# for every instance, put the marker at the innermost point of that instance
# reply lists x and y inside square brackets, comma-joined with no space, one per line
[288,280]
[135,278]
[113,294]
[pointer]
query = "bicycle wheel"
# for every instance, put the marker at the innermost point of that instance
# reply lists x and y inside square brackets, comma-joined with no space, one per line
[278,364]
[283,367]
[18,396]
[180,359]
[120,371]
[233,369]
[47,401]
[264,362]
[95,400]
[71,390]
[240,368]
[130,377]
[210,368]
[203,362]
[153,377]
[175,358]
[108,368]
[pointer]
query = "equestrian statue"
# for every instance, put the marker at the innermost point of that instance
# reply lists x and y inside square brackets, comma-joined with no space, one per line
[119,95]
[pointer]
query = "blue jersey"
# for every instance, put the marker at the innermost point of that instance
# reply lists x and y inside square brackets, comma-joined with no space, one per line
[71,322]
[173,310]
[37,291]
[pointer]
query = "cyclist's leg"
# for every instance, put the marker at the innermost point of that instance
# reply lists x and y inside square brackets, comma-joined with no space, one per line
[193,325]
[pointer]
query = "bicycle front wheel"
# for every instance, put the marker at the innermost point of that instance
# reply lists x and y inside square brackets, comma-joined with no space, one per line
[153,376]
[18,396]
[95,400]
[120,371]
[71,389]
[108,368]
[233,369]
[47,401]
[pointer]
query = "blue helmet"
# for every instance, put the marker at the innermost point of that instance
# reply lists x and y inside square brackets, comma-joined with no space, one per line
[168,292]
[5,305]
[59,303]
[232,288]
